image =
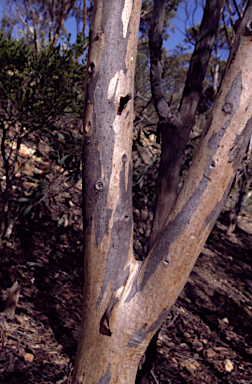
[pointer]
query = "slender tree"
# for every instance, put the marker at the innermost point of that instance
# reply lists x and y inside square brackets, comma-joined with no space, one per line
[40,20]
[125,300]
[175,128]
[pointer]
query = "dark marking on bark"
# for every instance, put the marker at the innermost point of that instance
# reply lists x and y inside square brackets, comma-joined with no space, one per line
[91,68]
[138,337]
[100,185]
[97,37]
[172,231]
[114,300]
[104,330]
[227,108]
[106,378]
[214,214]
[88,126]
[166,262]
[240,144]
[176,227]
[212,166]
[160,319]
[124,158]
[235,50]
[249,26]
[120,236]
[233,96]
[208,125]
[123,102]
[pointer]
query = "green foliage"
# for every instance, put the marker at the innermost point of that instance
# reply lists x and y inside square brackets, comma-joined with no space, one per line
[41,108]
[44,84]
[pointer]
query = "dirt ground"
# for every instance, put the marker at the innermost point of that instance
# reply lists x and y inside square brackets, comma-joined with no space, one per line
[207,335]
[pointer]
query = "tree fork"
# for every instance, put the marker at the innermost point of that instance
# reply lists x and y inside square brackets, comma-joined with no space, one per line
[125,301]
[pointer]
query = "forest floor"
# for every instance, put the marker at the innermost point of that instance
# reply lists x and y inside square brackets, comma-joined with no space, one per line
[206,338]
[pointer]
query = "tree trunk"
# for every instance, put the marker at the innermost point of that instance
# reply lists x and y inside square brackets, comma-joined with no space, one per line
[175,128]
[109,260]
[125,301]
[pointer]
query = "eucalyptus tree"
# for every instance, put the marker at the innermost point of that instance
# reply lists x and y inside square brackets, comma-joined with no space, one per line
[125,300]
[41,21]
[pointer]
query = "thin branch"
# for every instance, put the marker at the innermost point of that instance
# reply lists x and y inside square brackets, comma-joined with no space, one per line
[34,19]
[144,116]
[64,12]
[237,9]
[231,13]
[200,58]
[226,32]
[84,16]
[155,42]
[154,376]
[243,7]
[23,21]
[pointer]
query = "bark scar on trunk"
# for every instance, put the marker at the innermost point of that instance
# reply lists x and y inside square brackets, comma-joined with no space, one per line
[123,102]
[103,329]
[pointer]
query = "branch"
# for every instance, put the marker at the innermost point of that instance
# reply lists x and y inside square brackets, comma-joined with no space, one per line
[226,32]
[52,15]
[199,61]
[155,43]
[214,166]
[36,37]
[23,21]
[243,7]
[237,9]
[84,17]
[144,116]
[64,12]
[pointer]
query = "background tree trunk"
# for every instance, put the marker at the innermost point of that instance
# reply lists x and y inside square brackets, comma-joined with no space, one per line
[125,301]
[175,128]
